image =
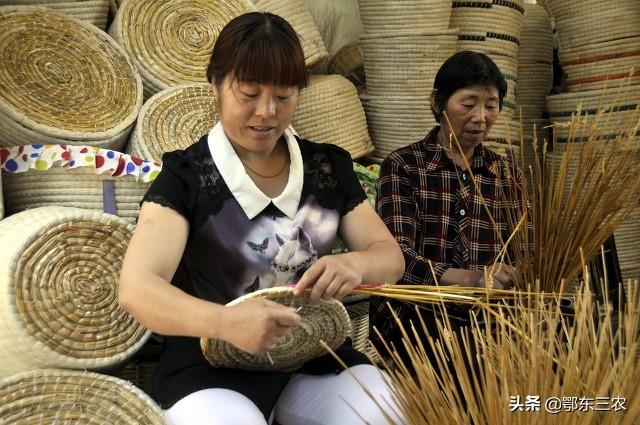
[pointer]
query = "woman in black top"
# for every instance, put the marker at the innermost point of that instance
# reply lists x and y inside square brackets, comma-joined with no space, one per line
[252,206]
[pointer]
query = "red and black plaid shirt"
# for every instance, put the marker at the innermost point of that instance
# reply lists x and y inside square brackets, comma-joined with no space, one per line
[436,212]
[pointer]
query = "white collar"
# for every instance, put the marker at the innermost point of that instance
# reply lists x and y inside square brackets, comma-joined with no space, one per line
[251,199]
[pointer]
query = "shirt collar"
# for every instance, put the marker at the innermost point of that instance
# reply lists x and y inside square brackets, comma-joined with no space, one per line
[249,196]
[439,157]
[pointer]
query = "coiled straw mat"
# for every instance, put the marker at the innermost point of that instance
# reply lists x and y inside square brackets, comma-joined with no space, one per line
[63,81]
[329,111]
[390,16]
[95,12]
[298,15]
[325,320]
[75,176]
[173,118]
[488,26]
[52,396]
[582,22]
[59,271]
[610,63]
[171,41]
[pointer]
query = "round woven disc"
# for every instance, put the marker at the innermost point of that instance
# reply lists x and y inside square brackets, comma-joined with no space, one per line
[62,76]
[171,41]
[325,320]
[58,290]
[174,118]
[64,397]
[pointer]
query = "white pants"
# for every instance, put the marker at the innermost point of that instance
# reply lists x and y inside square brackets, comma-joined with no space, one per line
[306,400]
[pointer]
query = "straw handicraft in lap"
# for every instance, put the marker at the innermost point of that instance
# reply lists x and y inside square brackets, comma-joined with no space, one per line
[325,320]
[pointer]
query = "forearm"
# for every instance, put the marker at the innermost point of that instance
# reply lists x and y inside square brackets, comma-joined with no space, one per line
[382,262]
[462,277]
[166,309]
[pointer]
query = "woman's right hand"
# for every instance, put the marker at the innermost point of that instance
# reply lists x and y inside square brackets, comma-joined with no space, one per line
[257,325]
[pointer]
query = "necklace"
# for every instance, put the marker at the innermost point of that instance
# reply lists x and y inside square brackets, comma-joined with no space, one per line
[264,176]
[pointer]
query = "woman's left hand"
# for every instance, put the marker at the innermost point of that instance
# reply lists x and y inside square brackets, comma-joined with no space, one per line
[332,276]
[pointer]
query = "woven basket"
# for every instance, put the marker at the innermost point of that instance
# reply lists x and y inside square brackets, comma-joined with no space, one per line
[95,12]
[59,271]
[348,61]
[508,65]
[329,111]
[405,63]
[118,190]
[505,131]
[52,396]
[173,118]
[63,81]
[357,307]
[536,36]
[611,64]
[171,42]
[298,15]
[620,107]
[324,320]
[390,16]
[488,26]
[1,200]
[583,22]
[534,85]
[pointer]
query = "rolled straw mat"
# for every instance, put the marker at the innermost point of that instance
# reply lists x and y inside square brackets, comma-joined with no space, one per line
[75,176]
[171,41]
[63,81]
[95,12]
[173,118]
[488,26]
[59,271]
[326,320]
[329,111]
[611,64]
[299,16]
[50,396]
[582,22]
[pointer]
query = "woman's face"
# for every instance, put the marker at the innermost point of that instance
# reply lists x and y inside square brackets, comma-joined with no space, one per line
[471,111]
[254,116]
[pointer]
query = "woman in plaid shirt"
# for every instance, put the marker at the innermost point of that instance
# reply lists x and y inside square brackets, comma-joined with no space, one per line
[447,203]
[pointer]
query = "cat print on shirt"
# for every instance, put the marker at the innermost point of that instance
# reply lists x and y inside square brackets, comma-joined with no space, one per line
[294,257]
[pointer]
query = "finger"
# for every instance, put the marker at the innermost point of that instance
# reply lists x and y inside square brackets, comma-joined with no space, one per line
[287,318]
[321,285]
[345,290]
[309,277]
[332,288]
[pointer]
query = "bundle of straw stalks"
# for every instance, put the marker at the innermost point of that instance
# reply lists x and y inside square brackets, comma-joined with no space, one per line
[505,370]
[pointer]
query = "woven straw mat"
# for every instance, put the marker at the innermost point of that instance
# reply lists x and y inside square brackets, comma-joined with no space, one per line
[329,111]
[325,320]
[59,271]
[298,15]
[173,118]
[171,41]
[95,12]
[52,396]
[63,80]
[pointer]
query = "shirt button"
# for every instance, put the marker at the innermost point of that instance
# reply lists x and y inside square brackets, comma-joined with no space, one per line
[463,213]
[464,176]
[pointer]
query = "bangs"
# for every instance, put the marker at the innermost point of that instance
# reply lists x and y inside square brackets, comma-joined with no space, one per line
[270,60]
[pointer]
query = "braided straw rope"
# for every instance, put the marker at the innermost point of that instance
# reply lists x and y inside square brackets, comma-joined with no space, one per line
[329,111]
[536,35]
[173,118]
[59,270]
[66,187]
[488,27]
[325,320]
[609,63]
[171,42]
[300,18]
[52,396]
[95,12]
[63,81]
[390,16]
[583,22]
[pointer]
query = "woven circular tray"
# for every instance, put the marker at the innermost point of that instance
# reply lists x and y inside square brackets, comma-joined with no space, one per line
[326,320]
[72,397]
